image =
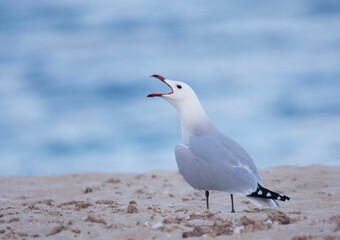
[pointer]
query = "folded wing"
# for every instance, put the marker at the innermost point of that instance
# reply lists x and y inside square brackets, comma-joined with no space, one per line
[207,164]
[241,154]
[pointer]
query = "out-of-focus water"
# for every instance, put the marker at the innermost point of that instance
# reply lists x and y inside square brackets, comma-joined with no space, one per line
[74,76]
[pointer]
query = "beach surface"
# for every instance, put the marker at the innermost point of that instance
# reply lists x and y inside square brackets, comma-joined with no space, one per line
[161,205]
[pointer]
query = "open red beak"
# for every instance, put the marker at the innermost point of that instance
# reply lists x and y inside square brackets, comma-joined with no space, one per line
[160,94]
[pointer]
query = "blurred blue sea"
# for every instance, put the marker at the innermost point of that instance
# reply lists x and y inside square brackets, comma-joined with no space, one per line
[74,76]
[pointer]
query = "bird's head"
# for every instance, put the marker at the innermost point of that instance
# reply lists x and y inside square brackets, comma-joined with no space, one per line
[180,92]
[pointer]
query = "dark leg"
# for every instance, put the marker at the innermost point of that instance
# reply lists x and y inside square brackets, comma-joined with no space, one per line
[207,198]
[232,203]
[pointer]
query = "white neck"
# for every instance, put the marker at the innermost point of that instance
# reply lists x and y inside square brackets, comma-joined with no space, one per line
[194,120]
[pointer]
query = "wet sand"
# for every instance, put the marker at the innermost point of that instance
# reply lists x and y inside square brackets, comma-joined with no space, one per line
[161,205]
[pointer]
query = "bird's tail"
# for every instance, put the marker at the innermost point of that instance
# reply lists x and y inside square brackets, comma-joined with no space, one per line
[262,202]
[265,197]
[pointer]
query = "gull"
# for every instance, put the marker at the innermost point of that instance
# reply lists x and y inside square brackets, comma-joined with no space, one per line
[209,160]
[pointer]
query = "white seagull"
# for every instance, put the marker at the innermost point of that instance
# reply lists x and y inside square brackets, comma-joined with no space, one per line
[207,159]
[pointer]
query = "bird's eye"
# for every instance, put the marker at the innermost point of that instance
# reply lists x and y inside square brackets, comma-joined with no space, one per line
[179,86]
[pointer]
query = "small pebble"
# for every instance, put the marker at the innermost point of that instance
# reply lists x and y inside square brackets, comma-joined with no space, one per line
[132,208]
[157,225]
[88,190]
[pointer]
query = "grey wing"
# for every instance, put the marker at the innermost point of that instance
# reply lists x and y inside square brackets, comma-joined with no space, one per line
[207,165]
[189,167]
[241,154]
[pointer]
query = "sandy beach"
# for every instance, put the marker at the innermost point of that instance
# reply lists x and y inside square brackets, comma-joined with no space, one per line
[161,205]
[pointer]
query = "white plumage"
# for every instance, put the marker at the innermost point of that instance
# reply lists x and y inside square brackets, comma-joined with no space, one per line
[207,159]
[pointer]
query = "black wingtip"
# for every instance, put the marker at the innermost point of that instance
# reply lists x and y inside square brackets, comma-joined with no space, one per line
[262,192]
